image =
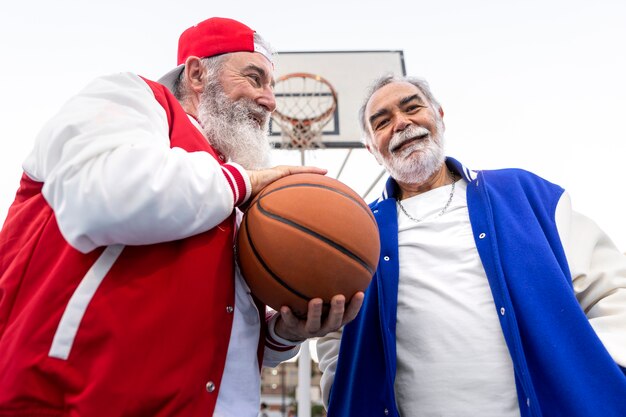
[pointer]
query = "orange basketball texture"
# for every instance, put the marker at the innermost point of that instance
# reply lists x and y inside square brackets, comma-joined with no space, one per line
[306,236]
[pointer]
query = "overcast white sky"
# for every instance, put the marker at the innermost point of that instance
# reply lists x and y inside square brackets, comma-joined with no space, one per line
[536,84]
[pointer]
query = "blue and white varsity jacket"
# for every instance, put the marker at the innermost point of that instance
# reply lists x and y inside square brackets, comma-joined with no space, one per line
[561,366]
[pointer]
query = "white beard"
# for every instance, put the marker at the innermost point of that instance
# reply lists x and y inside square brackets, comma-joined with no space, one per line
[420,160]
[230,129]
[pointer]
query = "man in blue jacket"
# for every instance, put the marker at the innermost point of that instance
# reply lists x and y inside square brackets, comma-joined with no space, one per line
[492,297]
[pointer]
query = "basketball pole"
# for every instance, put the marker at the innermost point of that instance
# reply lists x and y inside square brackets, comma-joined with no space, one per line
[304,380]
[303,393]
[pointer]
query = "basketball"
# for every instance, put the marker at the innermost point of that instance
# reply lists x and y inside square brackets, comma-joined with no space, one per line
[307,236]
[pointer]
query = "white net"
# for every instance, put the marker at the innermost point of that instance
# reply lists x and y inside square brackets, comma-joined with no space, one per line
[305,103]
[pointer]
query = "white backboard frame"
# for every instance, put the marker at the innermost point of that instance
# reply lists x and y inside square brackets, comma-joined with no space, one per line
[350,73]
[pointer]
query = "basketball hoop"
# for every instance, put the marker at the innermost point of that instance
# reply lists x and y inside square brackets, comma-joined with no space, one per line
[305,103]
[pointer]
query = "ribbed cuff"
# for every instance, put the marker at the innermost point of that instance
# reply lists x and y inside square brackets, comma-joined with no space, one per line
[239,182]
[275,342]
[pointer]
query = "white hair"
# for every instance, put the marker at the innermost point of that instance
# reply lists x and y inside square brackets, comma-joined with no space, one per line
[421,84]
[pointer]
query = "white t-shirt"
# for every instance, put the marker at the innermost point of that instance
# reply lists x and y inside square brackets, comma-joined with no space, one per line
[451,353]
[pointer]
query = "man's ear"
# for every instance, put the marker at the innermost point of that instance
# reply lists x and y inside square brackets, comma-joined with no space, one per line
[441,115]
[194,73]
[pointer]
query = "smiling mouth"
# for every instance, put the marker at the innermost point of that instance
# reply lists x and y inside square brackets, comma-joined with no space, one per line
[408,142]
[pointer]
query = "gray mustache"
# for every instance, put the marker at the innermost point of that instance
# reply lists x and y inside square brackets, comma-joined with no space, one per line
[408,133]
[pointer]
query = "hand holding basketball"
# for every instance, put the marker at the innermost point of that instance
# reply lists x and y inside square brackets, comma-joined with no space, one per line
[262,178]
[292,328]
[307,237]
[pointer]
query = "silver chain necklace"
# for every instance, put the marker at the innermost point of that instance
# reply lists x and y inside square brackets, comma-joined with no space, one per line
[443,210]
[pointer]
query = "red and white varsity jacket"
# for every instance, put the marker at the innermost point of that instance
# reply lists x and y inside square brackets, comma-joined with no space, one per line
[116,263]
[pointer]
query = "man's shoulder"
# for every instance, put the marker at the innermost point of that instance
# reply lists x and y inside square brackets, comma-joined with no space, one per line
[513,174]
[507,180]
[509,172]
[113,83]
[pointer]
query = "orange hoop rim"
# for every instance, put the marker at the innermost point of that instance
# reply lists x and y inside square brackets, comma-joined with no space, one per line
[310,120]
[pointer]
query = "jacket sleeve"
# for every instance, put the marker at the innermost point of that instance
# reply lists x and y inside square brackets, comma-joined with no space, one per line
[277,349]
[328,353]
[110,176]
[598,271]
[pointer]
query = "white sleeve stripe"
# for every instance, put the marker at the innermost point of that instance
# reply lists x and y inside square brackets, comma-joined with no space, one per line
[76,307]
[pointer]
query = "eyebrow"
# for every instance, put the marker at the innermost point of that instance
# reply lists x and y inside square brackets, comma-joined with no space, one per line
[261,72]
[405,100]
[411,98]
[378,114]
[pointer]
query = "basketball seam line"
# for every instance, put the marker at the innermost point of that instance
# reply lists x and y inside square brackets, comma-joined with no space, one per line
[365,207]
[269,271]
[324,239]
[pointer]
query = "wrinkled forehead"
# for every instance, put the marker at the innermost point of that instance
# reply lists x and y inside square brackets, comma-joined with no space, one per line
[242,60]
[392,96]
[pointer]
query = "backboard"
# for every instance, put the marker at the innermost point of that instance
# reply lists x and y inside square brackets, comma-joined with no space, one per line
[350,73]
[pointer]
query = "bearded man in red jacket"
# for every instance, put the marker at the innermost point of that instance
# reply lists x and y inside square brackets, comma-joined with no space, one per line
[118,287]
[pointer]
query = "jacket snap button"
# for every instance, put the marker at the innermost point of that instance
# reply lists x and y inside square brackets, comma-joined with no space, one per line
[229,309]
[386,258]
[481,236]
[210,386]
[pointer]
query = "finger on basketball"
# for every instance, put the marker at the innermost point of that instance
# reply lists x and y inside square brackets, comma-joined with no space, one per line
[314,316]
[335,314]
[353,307]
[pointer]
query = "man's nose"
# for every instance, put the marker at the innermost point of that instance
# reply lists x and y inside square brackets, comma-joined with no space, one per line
[402,121]
[267,99]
